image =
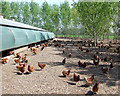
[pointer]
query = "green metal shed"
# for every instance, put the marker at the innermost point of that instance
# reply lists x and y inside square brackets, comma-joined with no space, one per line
[14,34]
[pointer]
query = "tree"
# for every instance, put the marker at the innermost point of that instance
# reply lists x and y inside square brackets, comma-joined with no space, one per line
[46,17]
[94,16]
[65,16]
[55,17]
[34,14]
[26,13]
[6,10]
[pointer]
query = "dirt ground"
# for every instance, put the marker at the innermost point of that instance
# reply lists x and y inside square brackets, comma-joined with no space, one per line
[50,80]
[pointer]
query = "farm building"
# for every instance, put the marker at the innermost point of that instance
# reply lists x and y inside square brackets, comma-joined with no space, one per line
[14,34]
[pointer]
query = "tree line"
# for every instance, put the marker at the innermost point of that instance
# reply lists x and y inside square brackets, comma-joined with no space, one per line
[88,18]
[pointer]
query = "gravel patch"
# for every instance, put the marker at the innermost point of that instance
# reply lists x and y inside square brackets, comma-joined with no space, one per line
[49,80]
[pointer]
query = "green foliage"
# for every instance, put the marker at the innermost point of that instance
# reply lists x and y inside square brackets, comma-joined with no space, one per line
[86,18]
[6,9]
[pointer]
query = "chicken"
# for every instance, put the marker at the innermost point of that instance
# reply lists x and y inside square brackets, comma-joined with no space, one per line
[41,65]
[63,51]
[111,51]
[11,52]
[81,49]
[18,55]
[76,77]
[35,50]
[4,60]
[17,60]
[96,62]
[88,50]
[50,44]
[30,68]
[46,44]
[37,46]
[105,70]
[90,80]
[84,65]
[64,60]
[111,65]
[43,45]
[42,48]
[70,55]
[21,68]
[95,57]
[65,73]
[20,65]
[95,87]
[24,59]
[106,59]
[79,63]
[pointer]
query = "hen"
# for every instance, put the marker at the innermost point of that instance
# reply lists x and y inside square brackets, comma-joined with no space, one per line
[41,65]
[17,60]
[21,68]
[96,62]
[79,63]
[42,48]
[105,70]
[95,87]
[18,55]
[11,52]
[76,77]
[90,80]
[70,55]
[64,60]
[30,68]
[4,60]
[66,73]
[111,65]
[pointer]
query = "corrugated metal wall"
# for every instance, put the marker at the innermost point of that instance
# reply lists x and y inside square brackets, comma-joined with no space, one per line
[16,37]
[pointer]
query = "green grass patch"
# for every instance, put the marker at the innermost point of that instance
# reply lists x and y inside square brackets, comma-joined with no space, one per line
[81,36]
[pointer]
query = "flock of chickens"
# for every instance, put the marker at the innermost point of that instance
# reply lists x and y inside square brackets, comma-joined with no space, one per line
[22,62]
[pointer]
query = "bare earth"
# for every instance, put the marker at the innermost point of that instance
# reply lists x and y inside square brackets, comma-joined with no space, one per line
[50,80]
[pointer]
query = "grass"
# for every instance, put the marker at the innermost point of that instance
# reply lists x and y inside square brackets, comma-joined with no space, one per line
[110,37]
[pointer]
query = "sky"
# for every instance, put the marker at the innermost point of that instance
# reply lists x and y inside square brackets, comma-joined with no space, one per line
[51,2]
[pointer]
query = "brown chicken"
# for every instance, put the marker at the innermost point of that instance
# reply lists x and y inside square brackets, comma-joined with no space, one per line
[63,51]
[18,55]
[111,65]
[46,44]
[30,68]
[41,65]
[96,62]
[35,50]
[21,68]
[17,60]
[76,77]
[64,60]
[37,46]
[84,65]
[70,55]
[65,73]
[42,48]
[50,44]
[11,52]
[79,63]
[90,80]
[24,59]
[95,87]
[88,50]
[4,60]
[105,70]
